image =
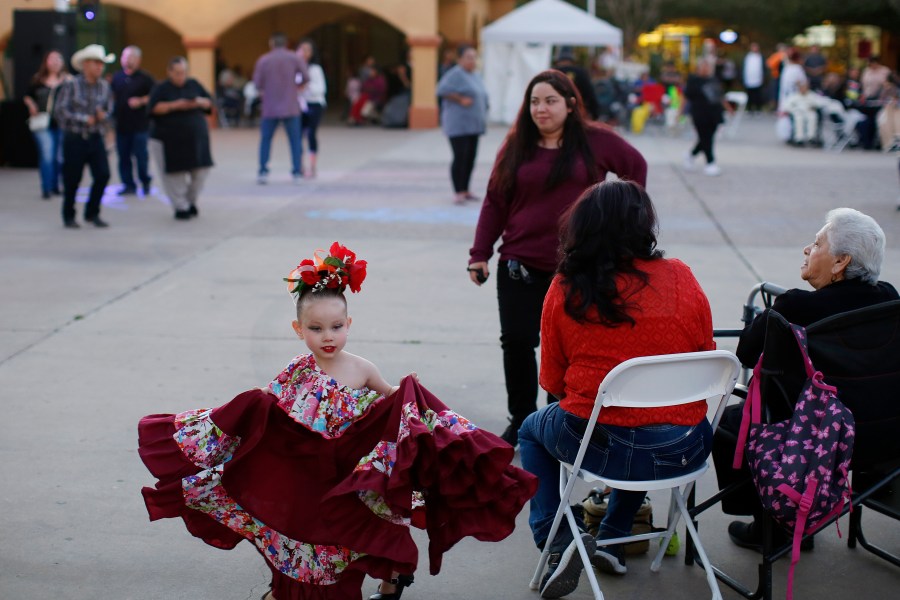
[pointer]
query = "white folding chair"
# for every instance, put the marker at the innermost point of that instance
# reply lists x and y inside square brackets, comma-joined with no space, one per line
[647,382]
[739,99]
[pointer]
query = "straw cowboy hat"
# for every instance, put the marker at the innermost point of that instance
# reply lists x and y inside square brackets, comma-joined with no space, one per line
[91,52]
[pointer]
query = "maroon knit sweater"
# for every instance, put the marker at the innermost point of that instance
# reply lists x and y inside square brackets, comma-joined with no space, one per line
[529,222]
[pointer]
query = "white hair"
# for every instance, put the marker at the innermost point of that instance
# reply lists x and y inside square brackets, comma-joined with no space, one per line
[857,235]
[134,50]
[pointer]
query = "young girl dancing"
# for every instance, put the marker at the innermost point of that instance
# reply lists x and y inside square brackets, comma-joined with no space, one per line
[326,468]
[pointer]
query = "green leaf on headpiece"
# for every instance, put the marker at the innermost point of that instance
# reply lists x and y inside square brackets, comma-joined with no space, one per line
[334,262]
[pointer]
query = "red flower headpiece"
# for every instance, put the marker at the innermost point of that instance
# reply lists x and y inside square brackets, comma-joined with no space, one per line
[340,269]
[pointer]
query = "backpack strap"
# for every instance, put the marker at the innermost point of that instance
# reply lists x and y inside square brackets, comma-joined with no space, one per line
[804,504]
[752,413]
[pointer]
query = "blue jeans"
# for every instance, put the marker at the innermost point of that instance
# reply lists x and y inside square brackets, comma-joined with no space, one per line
[649,452]
[128,145]
[49,158]
[267,130]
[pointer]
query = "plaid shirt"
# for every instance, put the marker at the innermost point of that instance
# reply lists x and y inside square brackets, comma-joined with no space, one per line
[77,100]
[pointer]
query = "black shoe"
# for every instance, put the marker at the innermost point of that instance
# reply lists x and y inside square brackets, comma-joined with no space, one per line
[183,215]
[127,190]
[193,210]
[71,224]
[564,569]
[45,195]
[401,581]
[749,535]
[511,435]
[55,192]
[146,188]
[98,222]
[610,559]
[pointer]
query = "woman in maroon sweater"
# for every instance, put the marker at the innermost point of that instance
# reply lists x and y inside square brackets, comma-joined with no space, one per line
[550,156]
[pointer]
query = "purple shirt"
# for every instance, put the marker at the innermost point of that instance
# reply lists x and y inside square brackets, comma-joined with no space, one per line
[529,222]
[275,76]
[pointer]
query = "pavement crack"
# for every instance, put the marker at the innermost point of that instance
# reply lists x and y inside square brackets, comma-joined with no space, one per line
[718,225]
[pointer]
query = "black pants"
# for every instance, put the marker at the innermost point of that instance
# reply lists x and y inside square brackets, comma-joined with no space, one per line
[77,152]
[706,132]
[754,99]
[520,333]
[465,147]
[744,500]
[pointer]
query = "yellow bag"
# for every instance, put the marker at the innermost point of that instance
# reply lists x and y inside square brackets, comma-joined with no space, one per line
[639,118]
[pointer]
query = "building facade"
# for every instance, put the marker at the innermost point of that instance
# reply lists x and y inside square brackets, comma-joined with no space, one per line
[213,33]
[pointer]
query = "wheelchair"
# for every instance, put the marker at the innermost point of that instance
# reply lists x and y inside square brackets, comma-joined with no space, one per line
[857,352]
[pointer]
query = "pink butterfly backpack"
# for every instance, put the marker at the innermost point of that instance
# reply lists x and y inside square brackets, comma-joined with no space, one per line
[800,466]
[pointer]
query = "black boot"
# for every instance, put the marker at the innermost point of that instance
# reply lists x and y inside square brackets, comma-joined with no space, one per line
[401,581]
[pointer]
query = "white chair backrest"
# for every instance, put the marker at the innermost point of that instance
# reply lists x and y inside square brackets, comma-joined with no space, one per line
[666,380]
[669,379]
[834,107]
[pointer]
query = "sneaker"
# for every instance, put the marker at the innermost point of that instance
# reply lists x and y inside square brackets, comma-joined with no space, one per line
[689,162]
[98,222]
[182,215]
[712,169]
[610,559]
[262,178]
[564,569]
[71,225]
[298,179]
[193,210]
[511,435]
[127,190]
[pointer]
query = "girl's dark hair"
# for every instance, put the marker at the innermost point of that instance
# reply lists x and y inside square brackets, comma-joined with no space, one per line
[43,71]
[522,140]
[610,225]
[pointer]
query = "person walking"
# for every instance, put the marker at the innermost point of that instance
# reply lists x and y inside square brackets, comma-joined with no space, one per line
[550,156]
[131,89]
[180,137]
[276,78]
[82,110]
[463,118]
[704,92]
[312,101]
[39,100]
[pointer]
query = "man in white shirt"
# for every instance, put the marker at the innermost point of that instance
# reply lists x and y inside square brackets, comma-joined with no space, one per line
[754,77]
[803,107]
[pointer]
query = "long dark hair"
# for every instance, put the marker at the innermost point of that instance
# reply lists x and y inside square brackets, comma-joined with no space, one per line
[43,71]
[522,140]
[610,225]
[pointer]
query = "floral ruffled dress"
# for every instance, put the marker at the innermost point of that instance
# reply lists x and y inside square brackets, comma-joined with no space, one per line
[325,480]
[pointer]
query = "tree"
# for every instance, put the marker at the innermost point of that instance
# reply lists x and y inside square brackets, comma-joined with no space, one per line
[633,17]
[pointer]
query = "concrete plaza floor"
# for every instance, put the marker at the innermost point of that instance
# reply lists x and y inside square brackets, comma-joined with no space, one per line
[153,315]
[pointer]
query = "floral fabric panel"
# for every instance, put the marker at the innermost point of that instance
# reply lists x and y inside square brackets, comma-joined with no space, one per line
[309,563]
[201,440]
[316,401]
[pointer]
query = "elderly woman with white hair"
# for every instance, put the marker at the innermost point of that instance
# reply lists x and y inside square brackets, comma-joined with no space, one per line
[842,265]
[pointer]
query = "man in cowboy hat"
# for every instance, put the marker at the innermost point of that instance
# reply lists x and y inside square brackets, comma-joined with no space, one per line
[82,110]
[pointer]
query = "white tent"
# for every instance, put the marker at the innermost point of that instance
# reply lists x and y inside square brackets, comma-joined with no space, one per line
[517,46]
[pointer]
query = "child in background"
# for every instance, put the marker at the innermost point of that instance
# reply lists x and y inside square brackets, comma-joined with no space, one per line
[326,468]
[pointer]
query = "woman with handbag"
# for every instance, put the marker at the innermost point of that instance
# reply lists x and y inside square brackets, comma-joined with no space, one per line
[39,100]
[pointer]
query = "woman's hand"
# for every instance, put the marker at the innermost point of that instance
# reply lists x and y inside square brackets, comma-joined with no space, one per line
[478,272]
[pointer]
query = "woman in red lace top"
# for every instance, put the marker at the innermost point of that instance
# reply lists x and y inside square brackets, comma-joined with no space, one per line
[614,297]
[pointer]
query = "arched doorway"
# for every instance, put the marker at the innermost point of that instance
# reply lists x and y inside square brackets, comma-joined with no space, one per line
[345,36]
